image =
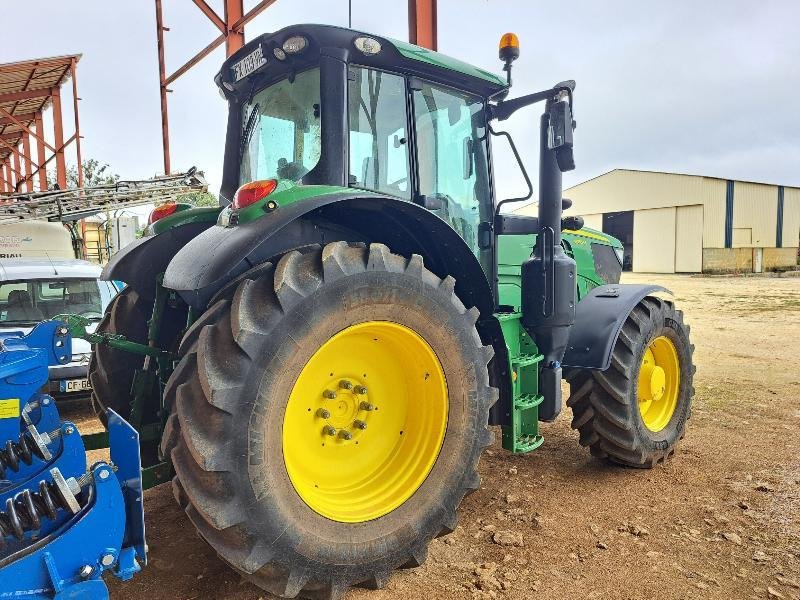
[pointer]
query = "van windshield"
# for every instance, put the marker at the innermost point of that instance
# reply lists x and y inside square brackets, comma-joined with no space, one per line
[28,302]
[281,130]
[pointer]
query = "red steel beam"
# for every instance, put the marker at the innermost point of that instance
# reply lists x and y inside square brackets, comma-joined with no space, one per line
[25,128]
[232,33]
[7,177]
[23,117]
[17,169]
[75,99]
[162,78]
[58,130]
[234,39]
[196,59]
[41,170]
[252,14]
[5,186]
[422,23]
[26,155]
[212,16]
[26,95]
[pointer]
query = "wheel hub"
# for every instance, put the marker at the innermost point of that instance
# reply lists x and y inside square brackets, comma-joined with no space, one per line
[348,411]
[659,383]
[365,421]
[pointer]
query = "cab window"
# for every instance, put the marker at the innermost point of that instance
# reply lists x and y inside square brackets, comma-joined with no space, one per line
[378,135]
[451,152]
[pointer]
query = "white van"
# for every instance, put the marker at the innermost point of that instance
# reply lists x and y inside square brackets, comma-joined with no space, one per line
[34,289]
[35,239]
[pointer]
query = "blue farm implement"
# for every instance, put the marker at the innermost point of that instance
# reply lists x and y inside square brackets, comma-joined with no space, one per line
[61,525]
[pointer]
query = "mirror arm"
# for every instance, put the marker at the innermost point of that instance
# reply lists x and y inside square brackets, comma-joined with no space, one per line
[503,110]
[521,167]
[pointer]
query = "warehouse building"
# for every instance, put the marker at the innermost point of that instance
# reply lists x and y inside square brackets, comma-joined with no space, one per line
[673,223]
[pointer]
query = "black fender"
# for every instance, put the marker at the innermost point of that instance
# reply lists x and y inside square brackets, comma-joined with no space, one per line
[220,254]
[138,264]
[599,317]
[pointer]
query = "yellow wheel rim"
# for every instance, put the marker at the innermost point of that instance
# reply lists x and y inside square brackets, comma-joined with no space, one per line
[659,383]
[365,421]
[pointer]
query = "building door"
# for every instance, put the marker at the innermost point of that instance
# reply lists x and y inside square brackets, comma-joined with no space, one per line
[620,225]
[758,260]
[689,239]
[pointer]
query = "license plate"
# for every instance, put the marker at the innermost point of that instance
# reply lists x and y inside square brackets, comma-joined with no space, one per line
[250,63]
[74,385]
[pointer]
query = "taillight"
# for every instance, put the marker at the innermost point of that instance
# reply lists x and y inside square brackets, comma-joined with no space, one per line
[253,192]
[159,212]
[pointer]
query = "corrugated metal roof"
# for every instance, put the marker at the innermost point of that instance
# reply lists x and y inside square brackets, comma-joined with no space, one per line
[680,174]
[21,80]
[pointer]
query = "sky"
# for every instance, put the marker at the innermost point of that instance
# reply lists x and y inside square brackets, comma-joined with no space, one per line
[684,86]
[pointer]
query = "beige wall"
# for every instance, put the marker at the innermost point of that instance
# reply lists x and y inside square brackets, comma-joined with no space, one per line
[726,260]
[689,239]
[594,221]
[755,207]
[654,240]
[791,217]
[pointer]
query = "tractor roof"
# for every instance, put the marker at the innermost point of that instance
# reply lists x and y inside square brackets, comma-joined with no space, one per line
[394,56]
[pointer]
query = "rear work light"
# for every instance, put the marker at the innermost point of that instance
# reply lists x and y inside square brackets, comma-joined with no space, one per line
[159,212]
[253,192]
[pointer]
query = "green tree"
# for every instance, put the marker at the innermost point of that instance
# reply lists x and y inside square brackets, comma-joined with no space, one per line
[94,173]
[199,199]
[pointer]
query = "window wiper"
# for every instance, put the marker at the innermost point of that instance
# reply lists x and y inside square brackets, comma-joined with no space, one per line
[249,127]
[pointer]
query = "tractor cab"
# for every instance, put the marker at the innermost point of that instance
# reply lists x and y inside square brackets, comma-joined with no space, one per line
[322,105]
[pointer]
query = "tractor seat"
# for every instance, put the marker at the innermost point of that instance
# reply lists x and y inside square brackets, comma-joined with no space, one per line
[20,307]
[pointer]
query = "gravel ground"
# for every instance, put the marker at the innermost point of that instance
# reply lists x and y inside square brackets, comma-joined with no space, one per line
[719,520]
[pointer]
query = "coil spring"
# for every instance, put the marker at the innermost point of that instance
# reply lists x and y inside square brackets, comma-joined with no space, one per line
[15,452]
[24,512]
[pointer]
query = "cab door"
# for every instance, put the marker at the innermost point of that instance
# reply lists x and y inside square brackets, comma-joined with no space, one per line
[451,162]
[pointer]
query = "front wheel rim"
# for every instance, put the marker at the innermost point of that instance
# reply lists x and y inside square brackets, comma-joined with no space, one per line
[659,383]
[365,421]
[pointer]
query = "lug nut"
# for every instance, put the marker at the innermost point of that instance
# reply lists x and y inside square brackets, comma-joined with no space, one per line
[360,389]
[358,424]
[329,394]
[345,435]
[367,406]
[345,385]
[328,430]
[323,413]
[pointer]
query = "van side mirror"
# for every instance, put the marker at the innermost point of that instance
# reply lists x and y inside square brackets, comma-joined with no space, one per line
[559,135]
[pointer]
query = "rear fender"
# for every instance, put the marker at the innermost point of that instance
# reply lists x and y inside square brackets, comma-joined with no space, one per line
[139,264]
[220,254]
[599,317]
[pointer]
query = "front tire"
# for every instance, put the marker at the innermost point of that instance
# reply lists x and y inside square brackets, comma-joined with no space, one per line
[635,412]
[247,435]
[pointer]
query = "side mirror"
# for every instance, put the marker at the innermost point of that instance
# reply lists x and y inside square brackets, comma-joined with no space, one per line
[559,135]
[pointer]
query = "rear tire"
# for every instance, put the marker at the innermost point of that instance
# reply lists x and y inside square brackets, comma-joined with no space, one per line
[609,409]
[110,370]
[232,391]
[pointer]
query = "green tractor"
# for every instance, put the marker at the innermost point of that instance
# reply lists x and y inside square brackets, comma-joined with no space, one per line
[320,359]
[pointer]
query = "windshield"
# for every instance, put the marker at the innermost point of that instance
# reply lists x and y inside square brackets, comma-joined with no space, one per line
[28,302]
[281,130]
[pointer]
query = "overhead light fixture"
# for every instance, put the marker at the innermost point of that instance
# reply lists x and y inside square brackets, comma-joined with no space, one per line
[367,45]
[295,44]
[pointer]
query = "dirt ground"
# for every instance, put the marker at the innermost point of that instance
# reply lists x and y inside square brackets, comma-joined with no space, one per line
[719,520]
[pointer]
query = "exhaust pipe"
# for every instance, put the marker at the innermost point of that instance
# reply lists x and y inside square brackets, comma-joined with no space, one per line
[549,290]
